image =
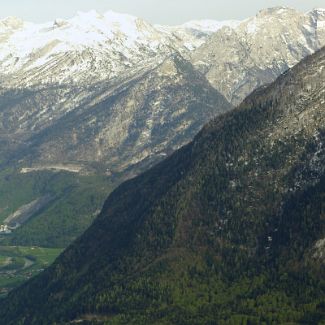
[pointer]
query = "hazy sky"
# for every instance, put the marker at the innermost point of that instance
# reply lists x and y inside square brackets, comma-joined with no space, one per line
[155,11]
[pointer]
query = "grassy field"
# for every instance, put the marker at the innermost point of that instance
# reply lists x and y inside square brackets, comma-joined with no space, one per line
[18,264]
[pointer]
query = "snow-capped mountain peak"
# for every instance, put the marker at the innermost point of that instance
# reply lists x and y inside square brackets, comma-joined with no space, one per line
[318,14]
[11,22]
[319,10]
[102,44]
[195,32]
[89,15]
[209,26]
[92,46]
[275,10]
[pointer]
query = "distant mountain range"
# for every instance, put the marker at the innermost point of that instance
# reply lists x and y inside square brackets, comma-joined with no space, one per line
[52,72]
[227,230]
[112,95]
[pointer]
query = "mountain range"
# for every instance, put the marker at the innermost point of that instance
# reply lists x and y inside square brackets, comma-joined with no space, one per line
[69,66]
[227,230]
[109,95]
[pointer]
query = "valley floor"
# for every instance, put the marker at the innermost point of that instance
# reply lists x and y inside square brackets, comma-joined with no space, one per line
[18,264]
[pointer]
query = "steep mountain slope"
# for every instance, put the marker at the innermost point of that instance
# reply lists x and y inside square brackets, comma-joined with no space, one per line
[229,229]
[240,59]
[149,115]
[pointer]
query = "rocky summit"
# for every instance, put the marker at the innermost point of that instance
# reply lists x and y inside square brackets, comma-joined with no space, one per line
[238,59]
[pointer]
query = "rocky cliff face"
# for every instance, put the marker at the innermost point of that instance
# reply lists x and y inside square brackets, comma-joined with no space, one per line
[237,60]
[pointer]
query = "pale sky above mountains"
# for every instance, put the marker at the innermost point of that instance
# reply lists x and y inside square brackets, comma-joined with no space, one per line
[156,11]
